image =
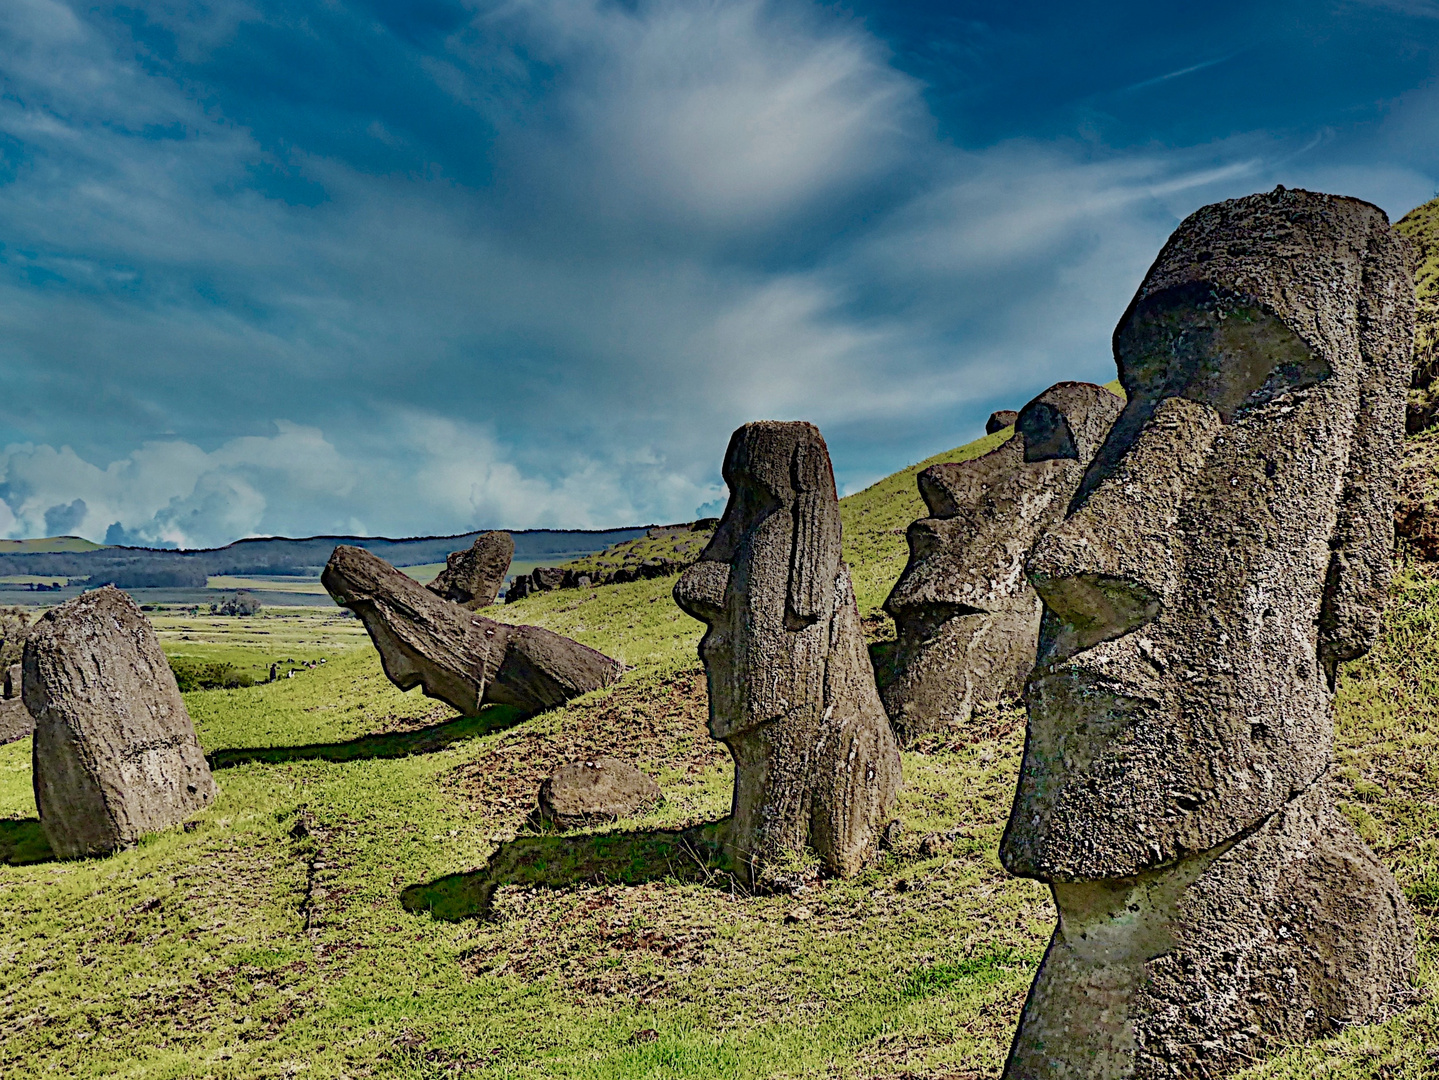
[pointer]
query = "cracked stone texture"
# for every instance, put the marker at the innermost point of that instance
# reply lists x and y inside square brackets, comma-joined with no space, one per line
[472,578]
[595,792]
[967,619]
[453,654]
[1228,547]
[791,688]
[115,754]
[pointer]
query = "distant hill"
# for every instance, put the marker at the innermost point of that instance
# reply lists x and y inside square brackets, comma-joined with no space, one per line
[48,545]
[280,555]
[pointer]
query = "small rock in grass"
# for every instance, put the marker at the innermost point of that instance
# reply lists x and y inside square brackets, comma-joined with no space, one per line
[798,915]
[593,792]
[934,844]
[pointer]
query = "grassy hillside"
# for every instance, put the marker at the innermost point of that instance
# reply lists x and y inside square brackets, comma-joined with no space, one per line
[270,941]
[48,545]
[1421,226]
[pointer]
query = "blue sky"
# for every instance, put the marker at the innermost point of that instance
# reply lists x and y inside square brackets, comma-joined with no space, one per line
[422,266]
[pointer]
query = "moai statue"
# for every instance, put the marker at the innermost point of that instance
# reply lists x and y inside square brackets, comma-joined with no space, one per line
[472,578]
[1228,548]
[791,688]
[967,619]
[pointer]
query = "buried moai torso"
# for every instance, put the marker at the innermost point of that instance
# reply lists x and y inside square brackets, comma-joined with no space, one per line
[967,619]
[791,688]
[1229,546]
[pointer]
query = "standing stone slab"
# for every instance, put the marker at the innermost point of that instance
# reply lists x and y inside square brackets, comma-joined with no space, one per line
[115,754]
[1228,547]
[15,720]
[967,619]
[453,654]
[472,578]
[791,689]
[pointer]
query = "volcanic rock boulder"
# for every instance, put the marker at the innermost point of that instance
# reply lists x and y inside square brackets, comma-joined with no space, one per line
[455,655]
[1000,420]
[115,754]
[595,792]
[791,688]
[472,578]
[966,617]
[1228,547]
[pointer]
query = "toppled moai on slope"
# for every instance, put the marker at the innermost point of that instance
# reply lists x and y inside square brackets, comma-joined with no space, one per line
[791,689]
[966,616]
[115,754]
[472,578]
[1228,548]
[999,420]
[453,654]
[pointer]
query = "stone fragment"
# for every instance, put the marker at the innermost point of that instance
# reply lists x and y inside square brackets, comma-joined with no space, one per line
[15,720]
[791,687]
[1000,420]
[453,654]
[595,792]
[1228,548]
[115,754]
[967,620]
[472,578]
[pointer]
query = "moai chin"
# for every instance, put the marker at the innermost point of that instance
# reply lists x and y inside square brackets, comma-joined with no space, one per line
[791,688]
[1228,548]
[967,619]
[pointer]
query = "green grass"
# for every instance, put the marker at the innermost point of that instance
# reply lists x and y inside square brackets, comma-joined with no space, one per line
[48,544]
[270,940]
[1421,226]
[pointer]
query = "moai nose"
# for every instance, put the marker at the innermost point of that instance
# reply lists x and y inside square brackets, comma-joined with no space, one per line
[1111,565]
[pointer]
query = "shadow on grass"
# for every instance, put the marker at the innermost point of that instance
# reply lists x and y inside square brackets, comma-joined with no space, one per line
[23,843]
[395,744]
[691,854]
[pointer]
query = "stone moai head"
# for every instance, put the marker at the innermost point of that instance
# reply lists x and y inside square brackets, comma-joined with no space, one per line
[966,616]
[1228,546]
[765,583]
[791,688]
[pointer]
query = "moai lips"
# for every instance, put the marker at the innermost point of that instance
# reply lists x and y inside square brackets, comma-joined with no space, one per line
[791,689]
[967,618]
[1228,547]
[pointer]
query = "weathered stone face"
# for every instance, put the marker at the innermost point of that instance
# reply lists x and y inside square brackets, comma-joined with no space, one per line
[453,654]
[115,754]
[1228,547]
[472,578]
[1229,544]
[790,685]
[966,616]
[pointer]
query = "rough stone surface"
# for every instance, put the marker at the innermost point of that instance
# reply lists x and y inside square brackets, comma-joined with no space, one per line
[115,754]
[595,792]
[472,578]
[967,620]
[15,720]
[1000,420]
[1228,547]
[791,688]
[453,654]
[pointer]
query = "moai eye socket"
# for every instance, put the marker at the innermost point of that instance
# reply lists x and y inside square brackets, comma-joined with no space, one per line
[1207,344]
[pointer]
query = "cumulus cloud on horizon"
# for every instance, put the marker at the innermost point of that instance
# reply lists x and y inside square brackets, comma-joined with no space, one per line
[292,268]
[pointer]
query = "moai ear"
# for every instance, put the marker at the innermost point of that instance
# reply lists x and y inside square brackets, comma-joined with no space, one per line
[1363,542]
[815,552]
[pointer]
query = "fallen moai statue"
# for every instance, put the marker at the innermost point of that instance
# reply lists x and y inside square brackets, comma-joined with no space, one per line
[1228,548]
[453,654]
[472,578]
[967,619]
[115,754]
[791,688]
